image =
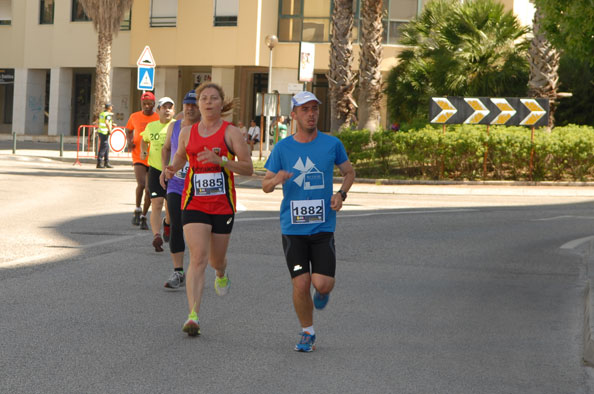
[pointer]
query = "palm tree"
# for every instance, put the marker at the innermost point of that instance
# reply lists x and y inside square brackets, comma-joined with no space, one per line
[340,75]
[370,77]
[544,66]
[470,49]
[107,15]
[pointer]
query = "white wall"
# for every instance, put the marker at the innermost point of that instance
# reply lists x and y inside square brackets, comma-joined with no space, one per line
[29,101]
[60,105]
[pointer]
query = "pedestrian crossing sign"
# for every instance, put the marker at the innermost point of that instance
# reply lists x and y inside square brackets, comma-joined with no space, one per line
[146,78]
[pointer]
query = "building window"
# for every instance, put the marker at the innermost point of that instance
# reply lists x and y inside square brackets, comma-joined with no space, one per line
[127,21]
[225,12]
[46,12]
[5,12]
[304,20]
[78,13]
[396,13]
[163,13]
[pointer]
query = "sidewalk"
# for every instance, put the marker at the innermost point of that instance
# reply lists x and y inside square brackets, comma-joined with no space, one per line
[49,147]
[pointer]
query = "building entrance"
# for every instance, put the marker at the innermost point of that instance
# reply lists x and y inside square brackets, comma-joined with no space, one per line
[82,100]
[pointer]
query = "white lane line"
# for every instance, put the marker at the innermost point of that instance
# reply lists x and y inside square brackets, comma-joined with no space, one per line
[576,243]
[563,217]
[428,211]
[346,216]
[31,260]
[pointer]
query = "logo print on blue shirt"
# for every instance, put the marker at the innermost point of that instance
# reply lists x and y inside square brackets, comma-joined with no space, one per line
[310,178]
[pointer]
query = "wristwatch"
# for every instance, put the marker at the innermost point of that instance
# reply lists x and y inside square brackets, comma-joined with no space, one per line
[342,194]
[225,159]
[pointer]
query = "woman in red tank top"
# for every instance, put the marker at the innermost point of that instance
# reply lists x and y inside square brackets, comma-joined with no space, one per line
[215,149]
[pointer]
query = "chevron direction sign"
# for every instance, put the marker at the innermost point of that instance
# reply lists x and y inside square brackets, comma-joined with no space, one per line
[511,111]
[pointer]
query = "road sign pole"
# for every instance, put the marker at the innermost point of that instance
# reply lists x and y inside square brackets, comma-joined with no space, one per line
[531,151]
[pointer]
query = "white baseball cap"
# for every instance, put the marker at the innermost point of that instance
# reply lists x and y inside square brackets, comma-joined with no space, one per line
[164,100]
[302,98]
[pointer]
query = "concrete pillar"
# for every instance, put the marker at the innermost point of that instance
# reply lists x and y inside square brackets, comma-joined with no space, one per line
[166,84]
[225,77]
[60,105]
[29,101]
[120,94]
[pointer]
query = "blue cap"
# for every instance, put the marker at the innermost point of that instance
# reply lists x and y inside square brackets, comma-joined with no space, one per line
[302,98]
[190,97]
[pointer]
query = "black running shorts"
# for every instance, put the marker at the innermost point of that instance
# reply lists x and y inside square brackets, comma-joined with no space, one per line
[154,185]
[221,224]
[176,242]
[310,254]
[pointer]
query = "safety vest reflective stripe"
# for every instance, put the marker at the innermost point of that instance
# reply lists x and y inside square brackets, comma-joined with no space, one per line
[103,118]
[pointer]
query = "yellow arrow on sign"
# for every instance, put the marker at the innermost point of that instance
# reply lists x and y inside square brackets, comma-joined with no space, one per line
[480,111]
[507,111]
[536,112]
[447,110]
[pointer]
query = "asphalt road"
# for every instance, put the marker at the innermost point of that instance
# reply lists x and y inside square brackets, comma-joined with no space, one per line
[434,294]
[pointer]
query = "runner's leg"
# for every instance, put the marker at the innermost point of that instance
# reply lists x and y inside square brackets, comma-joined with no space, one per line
[198,240]
[302,299]
[218,253]
[157,203]
[140,174]
[147,194]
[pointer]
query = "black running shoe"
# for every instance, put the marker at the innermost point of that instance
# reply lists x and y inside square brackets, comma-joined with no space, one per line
[136,218]
[143,224]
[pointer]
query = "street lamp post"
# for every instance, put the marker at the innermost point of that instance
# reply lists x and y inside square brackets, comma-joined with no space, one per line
[271,41]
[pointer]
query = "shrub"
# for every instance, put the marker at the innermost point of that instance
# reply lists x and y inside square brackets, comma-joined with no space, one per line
[459,153]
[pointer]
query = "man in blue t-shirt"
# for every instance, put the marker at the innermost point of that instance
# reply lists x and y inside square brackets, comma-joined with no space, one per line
[304,163]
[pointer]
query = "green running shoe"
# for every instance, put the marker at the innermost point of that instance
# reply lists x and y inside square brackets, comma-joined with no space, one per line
[222,285]
[191,326]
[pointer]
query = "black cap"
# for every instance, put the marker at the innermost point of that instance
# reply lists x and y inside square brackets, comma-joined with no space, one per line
[107,105]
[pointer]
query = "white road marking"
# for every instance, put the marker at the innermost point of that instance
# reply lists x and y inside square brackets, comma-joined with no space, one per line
[563,217]
[356,215]
[42,258]
[576,243]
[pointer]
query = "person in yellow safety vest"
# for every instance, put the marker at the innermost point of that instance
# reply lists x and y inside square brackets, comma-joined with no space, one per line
[103,131]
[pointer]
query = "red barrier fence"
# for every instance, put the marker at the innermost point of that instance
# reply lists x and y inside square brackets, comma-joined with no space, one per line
[86,143]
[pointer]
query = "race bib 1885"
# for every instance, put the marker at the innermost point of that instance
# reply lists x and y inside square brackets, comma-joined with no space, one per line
[209,184]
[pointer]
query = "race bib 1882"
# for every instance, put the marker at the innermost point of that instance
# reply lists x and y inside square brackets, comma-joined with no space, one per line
[307,211]
[209,184]
[181,174]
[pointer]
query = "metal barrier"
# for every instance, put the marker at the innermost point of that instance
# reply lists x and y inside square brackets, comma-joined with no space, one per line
[86,143]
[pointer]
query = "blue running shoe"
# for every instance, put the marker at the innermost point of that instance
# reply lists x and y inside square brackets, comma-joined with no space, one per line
[306,343]
[320,300]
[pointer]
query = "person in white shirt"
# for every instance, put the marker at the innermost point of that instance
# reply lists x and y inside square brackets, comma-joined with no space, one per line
[253,134]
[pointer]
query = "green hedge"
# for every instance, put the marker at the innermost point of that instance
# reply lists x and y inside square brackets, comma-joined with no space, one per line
[565,153]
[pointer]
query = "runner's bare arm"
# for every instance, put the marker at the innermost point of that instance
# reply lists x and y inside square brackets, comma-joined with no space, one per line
[165,154]
[272,179]
[243,164]
[166,149]
[144,146]
[129,137]
[348,173]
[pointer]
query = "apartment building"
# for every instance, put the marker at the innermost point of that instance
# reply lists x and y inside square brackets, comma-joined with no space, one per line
[47,63]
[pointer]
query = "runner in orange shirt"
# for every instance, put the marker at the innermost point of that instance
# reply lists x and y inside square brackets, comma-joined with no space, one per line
[136,124]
